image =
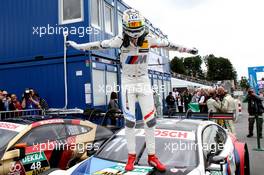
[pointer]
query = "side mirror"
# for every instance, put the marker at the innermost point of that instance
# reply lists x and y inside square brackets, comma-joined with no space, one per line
[216,163]
[95,147]
[22,151]
[90,152]
[217,160]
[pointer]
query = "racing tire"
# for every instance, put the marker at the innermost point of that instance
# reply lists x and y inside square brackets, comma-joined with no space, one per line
[246,161]
[49,171]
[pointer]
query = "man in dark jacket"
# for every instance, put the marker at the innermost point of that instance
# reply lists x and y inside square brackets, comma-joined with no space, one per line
[187,98]
[170,100]
[255,108]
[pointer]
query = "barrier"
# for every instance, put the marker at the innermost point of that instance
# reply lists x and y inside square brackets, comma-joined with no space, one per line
[239,108]
[202,116]
[20,113]
[38,114]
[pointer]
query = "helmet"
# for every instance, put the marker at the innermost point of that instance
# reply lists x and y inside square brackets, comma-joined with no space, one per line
[133,23]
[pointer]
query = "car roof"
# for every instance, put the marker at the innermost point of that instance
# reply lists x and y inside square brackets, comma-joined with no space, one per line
[12,126]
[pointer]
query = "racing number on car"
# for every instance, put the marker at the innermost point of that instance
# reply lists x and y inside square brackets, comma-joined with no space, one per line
[35,163]
[35,166]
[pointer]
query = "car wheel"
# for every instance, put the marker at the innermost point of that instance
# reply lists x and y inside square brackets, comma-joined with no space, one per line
[49,171]
[246,161]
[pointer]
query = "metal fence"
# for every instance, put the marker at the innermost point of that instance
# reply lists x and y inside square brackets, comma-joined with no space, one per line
[192,79]
[198,115]
[19,113]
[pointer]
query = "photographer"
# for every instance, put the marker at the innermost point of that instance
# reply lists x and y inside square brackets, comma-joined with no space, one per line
[255,108]
[30,101]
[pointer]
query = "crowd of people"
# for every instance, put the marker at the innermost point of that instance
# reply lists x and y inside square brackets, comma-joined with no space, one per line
[211,99]
[29,100]
[217,100]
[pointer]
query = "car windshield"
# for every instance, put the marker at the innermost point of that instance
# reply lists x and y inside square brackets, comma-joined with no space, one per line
[6,136]
[174,148]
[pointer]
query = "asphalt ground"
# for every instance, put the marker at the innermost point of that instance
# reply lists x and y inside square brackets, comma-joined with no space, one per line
[256,158]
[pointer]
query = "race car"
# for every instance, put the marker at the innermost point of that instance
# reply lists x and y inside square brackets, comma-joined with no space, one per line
[186,146]
[32,148]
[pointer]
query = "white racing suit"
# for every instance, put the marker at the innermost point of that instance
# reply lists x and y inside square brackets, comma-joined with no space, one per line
[136,85]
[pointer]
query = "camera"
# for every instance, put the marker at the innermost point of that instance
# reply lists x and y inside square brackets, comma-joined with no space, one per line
[27,94]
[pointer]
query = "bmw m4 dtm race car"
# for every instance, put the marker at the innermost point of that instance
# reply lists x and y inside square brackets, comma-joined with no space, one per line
[31,148]
[185,146]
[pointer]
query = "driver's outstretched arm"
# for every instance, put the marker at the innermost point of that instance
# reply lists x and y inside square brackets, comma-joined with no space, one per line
[115,42]
[179,48]
[164,43]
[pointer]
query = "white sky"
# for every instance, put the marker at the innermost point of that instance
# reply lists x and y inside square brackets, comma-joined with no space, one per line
[232,29]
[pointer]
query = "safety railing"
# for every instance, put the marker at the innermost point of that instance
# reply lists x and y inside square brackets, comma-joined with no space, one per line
[20,113]
[202,116]
[192,79]
[219,118]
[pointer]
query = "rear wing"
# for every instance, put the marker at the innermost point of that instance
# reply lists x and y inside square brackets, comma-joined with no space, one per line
[62,111]
[202,116]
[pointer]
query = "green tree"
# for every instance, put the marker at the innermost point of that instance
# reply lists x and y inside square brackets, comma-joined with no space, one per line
[219,68]
[192,66]
[177,66]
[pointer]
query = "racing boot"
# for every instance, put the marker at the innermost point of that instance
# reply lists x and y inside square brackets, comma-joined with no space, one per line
[154,161]
[130,162]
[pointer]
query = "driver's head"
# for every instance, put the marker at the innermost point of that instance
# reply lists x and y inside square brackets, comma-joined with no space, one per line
[133,23]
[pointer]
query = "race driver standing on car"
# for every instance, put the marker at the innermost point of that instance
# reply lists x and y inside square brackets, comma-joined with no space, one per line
[135,44]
